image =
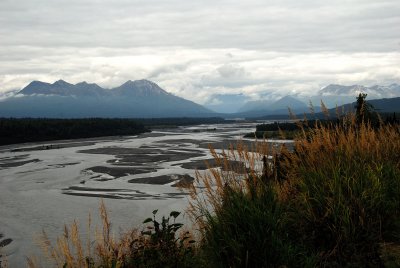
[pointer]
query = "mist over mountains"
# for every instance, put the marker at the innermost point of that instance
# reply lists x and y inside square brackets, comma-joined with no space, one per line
[145,99]
[271,103]
[334,94]
[139,99]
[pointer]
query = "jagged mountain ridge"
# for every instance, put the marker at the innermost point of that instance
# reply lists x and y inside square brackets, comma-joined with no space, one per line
[140,98]
[384,105]
[334,94]
[287,101]
[274,107]
[226,103]
[143,98]
[138,88]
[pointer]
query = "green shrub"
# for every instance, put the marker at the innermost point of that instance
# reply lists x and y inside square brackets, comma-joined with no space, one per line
[250,231]
[161,244]
[162,247]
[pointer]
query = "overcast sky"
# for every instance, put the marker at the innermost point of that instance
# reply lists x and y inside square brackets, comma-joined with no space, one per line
[197,48]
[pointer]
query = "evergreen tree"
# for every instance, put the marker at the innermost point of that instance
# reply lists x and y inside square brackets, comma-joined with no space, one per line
[364,110]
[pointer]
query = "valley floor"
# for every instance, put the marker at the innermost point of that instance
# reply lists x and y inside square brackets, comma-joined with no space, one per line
[47,185]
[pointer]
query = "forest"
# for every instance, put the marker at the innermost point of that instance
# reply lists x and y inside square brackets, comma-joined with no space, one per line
[32,130]
[13,130]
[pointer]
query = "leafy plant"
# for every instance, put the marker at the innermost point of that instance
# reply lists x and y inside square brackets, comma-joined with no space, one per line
[160,245]
[163,247]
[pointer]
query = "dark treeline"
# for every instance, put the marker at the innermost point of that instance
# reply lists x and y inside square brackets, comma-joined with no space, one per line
[391,118]
[21,130]
[273,130]
[276,126]
[276,129]
[30,130]
[292,126]
[376,120]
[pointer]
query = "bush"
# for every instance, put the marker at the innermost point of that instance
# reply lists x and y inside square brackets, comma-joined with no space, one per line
[242,219]
[162,247]
[250,232]
[159,245]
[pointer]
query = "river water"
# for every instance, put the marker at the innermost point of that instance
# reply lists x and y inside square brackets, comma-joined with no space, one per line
[46,185]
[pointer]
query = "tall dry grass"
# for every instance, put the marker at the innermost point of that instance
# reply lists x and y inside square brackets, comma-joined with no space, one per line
[239,167]
[345,181]
[73,250]
[331,200]
[238,211]
[163,243]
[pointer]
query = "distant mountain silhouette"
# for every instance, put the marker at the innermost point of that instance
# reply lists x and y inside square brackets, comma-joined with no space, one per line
[143,98]
[386,105]
[261,108]
[255,105]
[331,95]
[140,89]
[133,99]
[288,101]
[226,103]
[62,88]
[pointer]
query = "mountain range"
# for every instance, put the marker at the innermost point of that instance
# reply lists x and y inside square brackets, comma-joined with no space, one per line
[226,103]
[145,99]
[383,98]
[331,95]
[334,94]
[133,99]
[279,107]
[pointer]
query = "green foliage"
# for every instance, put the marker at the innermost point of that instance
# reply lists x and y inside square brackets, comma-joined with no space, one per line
[288,130]
[13,130]
[391,118]
[365,111]
[276,126]
[346,211]
[160,244]
[163,247]
[347,186]
[287,134]
[251,231]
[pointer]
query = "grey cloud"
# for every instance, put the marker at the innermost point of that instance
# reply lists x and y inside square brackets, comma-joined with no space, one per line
[230,70]
[197,48]
[166,70]
[196,74]
[312,26]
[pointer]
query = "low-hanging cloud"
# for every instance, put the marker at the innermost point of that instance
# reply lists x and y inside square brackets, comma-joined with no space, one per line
[198,49]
